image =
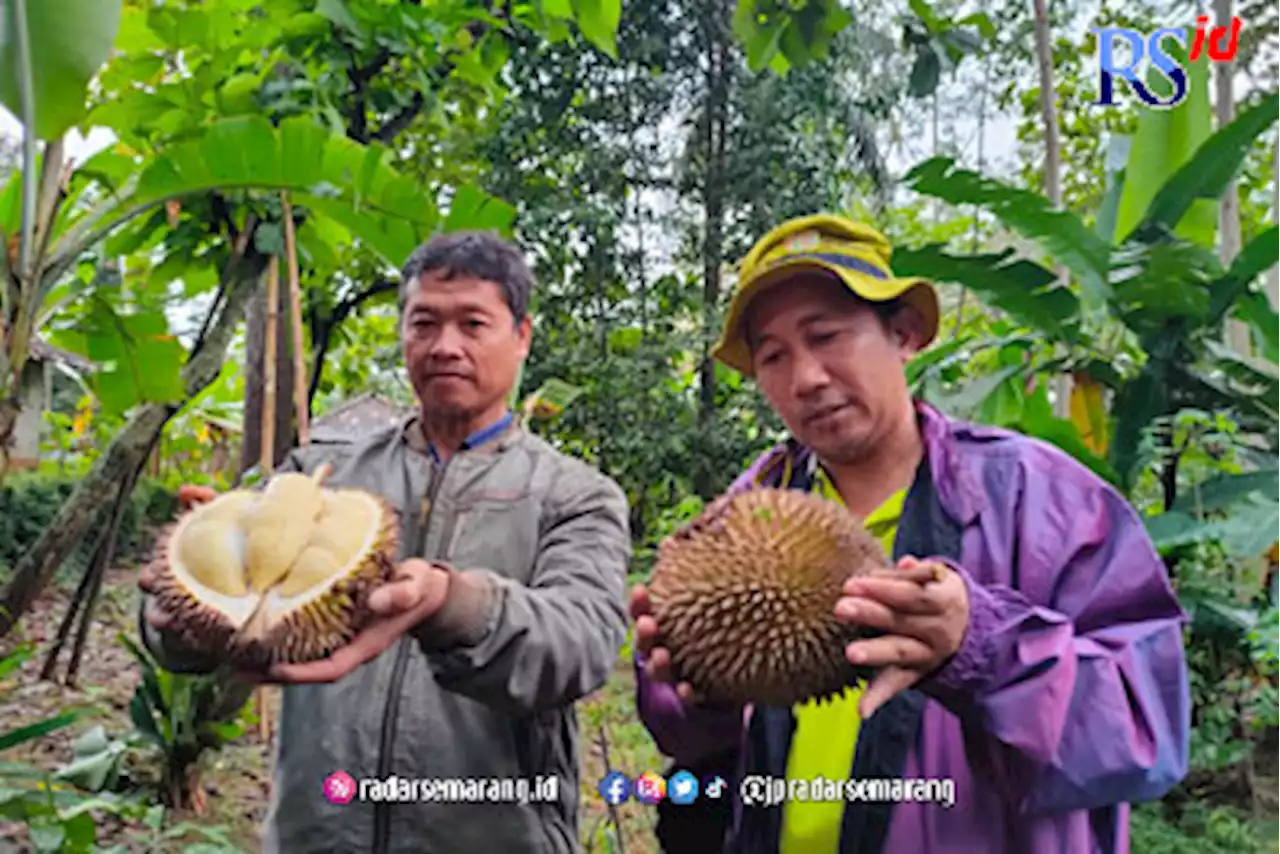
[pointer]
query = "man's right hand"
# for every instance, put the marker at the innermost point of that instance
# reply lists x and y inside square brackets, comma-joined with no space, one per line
[190,495]
[657,658]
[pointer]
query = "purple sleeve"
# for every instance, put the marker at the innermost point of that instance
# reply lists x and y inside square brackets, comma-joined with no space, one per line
[685,733]
[1083,701]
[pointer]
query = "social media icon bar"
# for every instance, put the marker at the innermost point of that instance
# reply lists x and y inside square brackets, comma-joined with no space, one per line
[682,788]
[714,787]
[650,788]
[615,788]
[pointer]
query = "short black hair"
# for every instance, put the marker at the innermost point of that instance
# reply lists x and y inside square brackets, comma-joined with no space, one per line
[480,254]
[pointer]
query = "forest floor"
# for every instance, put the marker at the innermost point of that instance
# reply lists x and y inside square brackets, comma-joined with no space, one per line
[236,779]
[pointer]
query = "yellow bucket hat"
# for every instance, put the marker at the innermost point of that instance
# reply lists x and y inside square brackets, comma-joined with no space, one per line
[854,253]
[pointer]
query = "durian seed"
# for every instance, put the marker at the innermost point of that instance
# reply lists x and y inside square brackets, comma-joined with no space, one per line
[279,529]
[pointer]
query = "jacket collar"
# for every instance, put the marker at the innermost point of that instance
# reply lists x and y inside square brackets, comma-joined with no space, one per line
[957,490]
[494,439]
[955,483]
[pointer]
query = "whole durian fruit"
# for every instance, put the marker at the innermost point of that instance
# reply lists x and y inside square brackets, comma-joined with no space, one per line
[744,597]
[282,575]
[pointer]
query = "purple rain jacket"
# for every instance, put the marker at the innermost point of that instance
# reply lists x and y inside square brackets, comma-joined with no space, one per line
[1067,700]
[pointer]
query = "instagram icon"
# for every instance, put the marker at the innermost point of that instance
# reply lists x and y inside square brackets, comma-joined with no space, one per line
[650,788]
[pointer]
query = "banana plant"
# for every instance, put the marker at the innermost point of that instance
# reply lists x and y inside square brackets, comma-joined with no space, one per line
[1168,294]
[53,216]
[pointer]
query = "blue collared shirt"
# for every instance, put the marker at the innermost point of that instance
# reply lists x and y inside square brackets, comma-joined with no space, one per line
[478,438]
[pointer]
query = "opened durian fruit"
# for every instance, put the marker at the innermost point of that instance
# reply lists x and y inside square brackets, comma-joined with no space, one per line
[744,597]
[281,575]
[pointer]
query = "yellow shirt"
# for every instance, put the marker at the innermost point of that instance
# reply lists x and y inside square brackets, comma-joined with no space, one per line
[826,734]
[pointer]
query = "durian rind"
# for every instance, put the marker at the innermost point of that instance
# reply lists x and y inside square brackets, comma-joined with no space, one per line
[312,630]
[744,597]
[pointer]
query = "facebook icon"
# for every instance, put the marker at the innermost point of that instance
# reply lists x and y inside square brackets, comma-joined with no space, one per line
[615,787]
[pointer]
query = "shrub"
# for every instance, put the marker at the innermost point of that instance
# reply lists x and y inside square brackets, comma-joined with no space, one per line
[1202,829]
[30,501]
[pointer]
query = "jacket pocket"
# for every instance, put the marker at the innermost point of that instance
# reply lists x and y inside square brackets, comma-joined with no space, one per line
[498,534]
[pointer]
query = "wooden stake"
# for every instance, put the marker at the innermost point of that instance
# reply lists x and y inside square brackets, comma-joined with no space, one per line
[266,460]
[295,320]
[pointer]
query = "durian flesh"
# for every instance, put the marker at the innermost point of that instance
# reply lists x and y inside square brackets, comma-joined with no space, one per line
[745,597]
[281,575]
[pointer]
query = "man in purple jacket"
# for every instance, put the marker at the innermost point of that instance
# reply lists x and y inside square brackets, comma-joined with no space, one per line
[1029,645]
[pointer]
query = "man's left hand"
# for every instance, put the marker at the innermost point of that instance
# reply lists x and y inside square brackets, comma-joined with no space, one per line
[415,592]
[922,607]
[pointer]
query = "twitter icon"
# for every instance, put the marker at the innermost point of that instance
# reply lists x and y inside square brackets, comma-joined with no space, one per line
[682,788]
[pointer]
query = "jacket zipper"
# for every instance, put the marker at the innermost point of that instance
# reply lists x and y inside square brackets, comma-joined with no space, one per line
[382,809]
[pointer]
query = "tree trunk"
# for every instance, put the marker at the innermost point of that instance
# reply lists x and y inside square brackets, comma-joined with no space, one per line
[323,328]
[1237,334]
[714,127]
[254,389]
[1052,167]
[126,451]
[1273,276]
[1048,110]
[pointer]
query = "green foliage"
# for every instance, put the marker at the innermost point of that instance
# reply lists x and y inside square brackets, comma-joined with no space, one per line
[185,718]
[780,35]
[1168,294]
[1024,289]
[1203,829]
[67,41]
[1163,142]
[1215,163]
[1060,233]
[29,501]
[12,737]
[58,819]
[352,184]
[939,44]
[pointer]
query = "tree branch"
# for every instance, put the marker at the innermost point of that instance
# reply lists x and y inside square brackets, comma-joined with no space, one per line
[322,333]
[401,120]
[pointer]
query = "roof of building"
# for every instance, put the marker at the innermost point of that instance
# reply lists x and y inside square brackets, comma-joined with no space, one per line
[356,418]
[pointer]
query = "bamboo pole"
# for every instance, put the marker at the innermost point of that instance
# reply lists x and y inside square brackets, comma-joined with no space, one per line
[295,320]
[266,459]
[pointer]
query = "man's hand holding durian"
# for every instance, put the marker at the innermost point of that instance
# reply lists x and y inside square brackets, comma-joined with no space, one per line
[415,593]
[923,609]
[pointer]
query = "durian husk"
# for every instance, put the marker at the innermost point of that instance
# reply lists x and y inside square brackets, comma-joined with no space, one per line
[744,597]
[313,631]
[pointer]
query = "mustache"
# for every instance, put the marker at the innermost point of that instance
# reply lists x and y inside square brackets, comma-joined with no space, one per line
[445,369]
[817,410]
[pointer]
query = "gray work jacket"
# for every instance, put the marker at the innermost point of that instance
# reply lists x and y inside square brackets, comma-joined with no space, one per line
[535,619]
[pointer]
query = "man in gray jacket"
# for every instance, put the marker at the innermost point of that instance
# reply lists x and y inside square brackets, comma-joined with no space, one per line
[507,606]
